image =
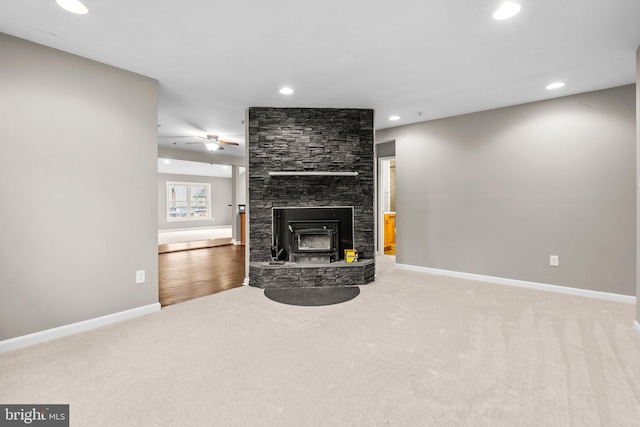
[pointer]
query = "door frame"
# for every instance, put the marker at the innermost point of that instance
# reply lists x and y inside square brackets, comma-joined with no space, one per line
[380,203]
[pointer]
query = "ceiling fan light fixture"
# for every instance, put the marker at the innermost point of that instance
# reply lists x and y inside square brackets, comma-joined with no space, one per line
[73,6]
[211,146]
[506,11]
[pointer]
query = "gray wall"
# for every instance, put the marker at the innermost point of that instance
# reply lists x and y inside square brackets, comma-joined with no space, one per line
[497,192]
[386,149]
[78,177]
[221,189]
[638,176]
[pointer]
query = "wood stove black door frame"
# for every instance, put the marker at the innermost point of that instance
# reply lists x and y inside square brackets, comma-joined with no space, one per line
[282,217]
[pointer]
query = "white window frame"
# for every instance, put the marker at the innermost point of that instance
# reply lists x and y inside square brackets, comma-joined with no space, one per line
[188,216]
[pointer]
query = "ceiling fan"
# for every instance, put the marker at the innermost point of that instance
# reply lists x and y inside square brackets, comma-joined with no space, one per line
[213,143]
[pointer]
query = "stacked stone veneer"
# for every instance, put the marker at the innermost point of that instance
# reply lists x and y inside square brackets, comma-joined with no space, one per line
[310,140]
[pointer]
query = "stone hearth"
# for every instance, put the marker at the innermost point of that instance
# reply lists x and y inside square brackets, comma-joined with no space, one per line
[291,275]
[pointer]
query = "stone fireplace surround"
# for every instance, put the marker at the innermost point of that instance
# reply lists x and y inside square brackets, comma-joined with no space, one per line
[308,157]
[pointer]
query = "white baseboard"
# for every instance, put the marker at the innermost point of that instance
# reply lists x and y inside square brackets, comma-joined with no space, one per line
[523,284]
[636,326]
[245,282]
[74,328]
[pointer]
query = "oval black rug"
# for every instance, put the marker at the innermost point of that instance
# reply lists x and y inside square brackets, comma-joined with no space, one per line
[312,296]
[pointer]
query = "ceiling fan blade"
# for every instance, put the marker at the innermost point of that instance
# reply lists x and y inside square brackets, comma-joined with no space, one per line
[197,142]
[228,143]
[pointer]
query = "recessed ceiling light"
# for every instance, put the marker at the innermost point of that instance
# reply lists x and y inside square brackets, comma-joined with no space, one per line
[394,118]
[506,11]
[286,91]
[166,162]
[73,6]
[556,85]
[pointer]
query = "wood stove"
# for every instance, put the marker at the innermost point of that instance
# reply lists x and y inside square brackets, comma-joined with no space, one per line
[315,244]
[311,235]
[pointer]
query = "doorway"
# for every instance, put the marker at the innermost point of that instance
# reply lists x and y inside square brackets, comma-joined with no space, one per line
[197,256]
[387,207]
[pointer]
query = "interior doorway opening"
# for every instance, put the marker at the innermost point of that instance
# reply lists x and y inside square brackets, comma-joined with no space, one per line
[387,208]
[197,256]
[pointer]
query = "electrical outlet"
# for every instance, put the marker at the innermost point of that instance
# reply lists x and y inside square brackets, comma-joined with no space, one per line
[554,260]
[140,276]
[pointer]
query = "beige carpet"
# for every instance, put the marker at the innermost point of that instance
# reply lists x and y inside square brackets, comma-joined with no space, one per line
[411,350]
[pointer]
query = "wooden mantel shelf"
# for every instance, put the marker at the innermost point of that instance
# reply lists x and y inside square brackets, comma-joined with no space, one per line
[314,173]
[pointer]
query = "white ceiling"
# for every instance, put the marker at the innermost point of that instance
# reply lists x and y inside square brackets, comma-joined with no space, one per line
[214,59]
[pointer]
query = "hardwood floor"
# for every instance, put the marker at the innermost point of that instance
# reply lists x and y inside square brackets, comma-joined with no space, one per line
[191,274]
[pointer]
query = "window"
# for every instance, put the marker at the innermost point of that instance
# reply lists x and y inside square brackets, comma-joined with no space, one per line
[188,201]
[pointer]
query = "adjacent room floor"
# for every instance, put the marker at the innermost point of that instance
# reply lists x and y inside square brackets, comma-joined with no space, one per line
[193,263]
[187,274]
